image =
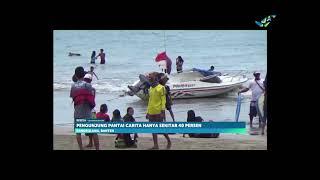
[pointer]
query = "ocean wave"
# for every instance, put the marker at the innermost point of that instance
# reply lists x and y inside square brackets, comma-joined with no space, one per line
[61,86]
[101,87]
[110,87]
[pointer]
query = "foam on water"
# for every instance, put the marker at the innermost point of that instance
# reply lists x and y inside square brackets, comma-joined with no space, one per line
[101,87]
[132,52]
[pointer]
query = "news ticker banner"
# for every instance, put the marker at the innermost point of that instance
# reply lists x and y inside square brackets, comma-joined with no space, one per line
[102,127]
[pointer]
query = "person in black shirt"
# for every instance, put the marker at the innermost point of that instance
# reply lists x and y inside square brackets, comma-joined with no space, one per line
[127,137]
[163,80]
[193,118]
[179,64]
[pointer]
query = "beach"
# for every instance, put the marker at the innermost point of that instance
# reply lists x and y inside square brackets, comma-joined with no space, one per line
[132,52]
[65,139]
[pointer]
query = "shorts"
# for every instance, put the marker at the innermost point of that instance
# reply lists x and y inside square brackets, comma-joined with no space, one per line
[168,107]
[155,118]
[253,109]
[87,134]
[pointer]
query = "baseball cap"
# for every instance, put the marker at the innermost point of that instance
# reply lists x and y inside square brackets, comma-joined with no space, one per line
[88,76]
[256,72]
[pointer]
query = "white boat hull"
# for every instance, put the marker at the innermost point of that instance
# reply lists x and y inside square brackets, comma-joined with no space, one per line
[183,89]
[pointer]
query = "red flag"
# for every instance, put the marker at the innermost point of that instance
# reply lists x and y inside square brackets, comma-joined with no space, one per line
[164,62]
[162,56]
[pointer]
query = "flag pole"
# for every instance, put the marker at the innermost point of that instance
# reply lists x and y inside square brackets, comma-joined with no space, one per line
[164,38]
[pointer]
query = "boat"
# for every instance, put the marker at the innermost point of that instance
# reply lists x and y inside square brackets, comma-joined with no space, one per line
[191,84]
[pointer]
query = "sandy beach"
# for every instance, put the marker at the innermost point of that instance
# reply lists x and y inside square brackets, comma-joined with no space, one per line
[64,139]
[130,53]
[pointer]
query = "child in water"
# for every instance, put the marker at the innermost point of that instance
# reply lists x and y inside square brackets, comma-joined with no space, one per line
[102,57]
[93,57]
[92,73]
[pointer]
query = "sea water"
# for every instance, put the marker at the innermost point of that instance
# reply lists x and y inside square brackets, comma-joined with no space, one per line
[132,52]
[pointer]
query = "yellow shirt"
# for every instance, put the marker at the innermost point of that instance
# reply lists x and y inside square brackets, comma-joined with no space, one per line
[157,100]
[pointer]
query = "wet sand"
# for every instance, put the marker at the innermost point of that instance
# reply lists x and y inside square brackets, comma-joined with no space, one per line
[221,108]
[64,139]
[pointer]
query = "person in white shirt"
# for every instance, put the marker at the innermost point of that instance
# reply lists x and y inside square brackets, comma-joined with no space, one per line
[257,88]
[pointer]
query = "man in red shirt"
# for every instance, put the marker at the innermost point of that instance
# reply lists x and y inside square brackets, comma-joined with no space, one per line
[83,97]
[102,57]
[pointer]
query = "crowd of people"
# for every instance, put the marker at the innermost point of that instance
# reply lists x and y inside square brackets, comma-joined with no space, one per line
[83,96]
